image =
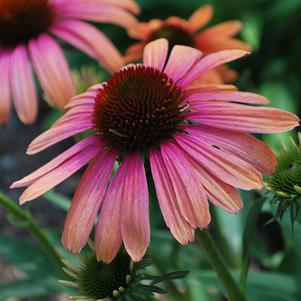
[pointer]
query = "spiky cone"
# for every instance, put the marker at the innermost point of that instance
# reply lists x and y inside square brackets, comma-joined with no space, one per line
[120,280]
[285,182]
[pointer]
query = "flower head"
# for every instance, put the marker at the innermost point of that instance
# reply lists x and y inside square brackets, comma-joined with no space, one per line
[285,182]
[119,280]
[26,38]
[187,32]
[195,139]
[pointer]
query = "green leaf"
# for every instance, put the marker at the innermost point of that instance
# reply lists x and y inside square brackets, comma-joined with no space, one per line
[170,276]
[252,30]
[29,288]
[28,258]
[57,199]
[260,286]
[292,232]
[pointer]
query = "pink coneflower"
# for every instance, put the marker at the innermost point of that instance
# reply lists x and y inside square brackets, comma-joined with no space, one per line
[27,28]
[187,32]
[195,141]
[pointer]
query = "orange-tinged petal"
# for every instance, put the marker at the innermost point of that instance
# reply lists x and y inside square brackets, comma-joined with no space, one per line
[200,18]
[135,227]
[87,200]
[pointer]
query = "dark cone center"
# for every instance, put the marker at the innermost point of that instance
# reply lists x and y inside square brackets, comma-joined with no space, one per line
[22,20]
[137,108]
[175,35]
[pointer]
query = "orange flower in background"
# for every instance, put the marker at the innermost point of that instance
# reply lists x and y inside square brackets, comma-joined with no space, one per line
[187,32]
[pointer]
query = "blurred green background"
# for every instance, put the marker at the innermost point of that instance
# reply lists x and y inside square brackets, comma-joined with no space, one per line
[273,28]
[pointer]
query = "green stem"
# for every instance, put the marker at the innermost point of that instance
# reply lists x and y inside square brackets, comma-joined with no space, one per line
[248,237]
[205,240]
[221,241]
[29,223]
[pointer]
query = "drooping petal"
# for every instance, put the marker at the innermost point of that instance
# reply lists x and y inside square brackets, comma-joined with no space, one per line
[200,17]
[155,54]
[220,193]
[87,200]
[195,96]
[179,227]
[108,232]
[244,118]
[57,161]
[181,59]
[91,41]
[209,62]
[135,227]
[59,174]
[5,103]
[52,69]
[229,168]
[22,85]
[243,145]
[190,194]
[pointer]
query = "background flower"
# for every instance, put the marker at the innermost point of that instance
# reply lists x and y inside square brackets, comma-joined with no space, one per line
[26,37]
[187,32]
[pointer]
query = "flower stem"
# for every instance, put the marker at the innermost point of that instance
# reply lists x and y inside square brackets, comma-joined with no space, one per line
[29,223]
[205,240]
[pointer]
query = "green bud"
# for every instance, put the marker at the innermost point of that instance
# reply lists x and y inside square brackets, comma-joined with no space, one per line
[285,182]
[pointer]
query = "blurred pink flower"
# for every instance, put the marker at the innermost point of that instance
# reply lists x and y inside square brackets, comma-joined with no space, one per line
[194,139]
[187,32]
[27,28]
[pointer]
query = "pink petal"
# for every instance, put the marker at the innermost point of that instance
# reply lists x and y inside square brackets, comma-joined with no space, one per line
[200,86]
[22,85]
[108,232]
[179,227]
[190,194]
[59,174]
[63,128]
[97,12]
[129,5]
[243,145]
[135,228]
[5,86]
[200,17]
[90,40]
[76,114]
[244,118]
[155,54]
[87,200]
[244,97]
[210,61]
[227,167]
[220,193]
[53,70]
[181,59]
[56,162]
